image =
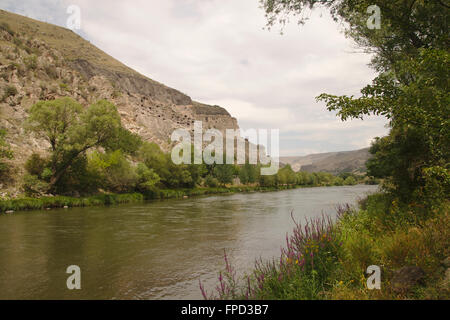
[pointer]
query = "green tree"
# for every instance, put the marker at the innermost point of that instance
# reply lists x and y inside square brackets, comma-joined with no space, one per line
[253,173]
[35,165]
[211,182]
[286,175]
[303,178]
[338,181]
[406,26]
[350,181]
[113,171]
[171,175]
[244,174]
[72,130]
[224,173]
[126,141]
[33,186]
[411,55]
[147,178]
[268,181]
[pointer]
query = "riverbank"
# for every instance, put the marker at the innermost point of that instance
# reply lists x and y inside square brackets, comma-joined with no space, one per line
[26,204]
[329,260]
[42,203]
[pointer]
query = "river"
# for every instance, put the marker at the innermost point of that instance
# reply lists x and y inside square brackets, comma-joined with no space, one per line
[152,250]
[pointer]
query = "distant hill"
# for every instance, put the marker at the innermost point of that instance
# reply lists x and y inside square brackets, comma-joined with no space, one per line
[333,162]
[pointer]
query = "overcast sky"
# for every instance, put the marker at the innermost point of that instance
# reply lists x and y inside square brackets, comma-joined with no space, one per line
[217,52]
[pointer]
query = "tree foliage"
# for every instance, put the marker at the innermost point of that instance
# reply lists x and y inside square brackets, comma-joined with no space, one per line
[72,130]
[411,56]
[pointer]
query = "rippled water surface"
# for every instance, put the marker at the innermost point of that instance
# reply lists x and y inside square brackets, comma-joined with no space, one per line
[154,250]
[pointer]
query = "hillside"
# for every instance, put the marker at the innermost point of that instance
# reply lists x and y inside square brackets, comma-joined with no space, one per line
[40,61]
[333,162]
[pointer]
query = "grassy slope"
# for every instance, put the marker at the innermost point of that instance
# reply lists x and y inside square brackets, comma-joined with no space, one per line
[71,45]
[74,47]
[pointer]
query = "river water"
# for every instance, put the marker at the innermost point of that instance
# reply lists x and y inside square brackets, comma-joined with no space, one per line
[153,250]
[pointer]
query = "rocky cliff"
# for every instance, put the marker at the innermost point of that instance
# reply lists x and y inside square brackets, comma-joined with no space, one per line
[40,61]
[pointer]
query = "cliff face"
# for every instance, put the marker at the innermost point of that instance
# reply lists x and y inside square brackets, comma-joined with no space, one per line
[42,62]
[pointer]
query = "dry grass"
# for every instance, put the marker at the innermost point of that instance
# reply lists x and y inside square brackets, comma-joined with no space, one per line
[71,45]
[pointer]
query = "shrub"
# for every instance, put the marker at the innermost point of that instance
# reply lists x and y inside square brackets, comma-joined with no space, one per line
[35,165]
[359,250]
[424,246]
[350,181]
[147,178]
[338,181]
[33,186]
[31,62]
[437,186]
[211,182]
[116,94]
[10,91]
[112,171]
[51,71]
[5,27]
[64,86]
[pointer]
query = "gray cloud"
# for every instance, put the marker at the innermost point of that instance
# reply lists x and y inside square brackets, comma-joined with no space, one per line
[218,52]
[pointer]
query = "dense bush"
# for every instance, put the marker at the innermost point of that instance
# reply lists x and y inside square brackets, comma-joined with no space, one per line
[112,171]
[35,165]
[211,182]
[147,178]
[5,153]
[33,186]
[81,163]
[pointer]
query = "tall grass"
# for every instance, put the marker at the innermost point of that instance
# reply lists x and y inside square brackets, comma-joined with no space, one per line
[302,272]
[323,259]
